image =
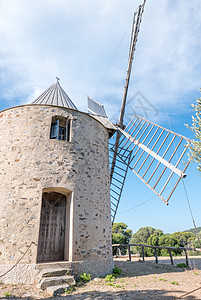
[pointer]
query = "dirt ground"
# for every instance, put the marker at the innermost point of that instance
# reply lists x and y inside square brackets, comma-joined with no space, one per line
[138,280]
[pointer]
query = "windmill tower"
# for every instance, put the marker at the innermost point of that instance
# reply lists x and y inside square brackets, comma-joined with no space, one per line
[55,189]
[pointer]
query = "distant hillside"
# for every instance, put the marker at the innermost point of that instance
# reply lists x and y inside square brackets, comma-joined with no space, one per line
[193,230]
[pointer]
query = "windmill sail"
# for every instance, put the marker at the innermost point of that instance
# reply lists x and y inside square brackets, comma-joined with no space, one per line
[155,155]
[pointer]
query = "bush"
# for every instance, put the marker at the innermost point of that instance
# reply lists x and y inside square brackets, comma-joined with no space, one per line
[182,265]
[116,270]
[85,277]
[111,277]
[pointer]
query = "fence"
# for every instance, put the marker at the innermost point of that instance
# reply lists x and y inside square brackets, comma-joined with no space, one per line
[185,249]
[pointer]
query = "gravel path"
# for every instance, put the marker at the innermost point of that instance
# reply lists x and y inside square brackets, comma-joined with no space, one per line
[138,280]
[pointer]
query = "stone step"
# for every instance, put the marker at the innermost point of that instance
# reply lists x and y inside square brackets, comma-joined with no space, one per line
[55,281]
[53,291]
[54,273]
[53,265]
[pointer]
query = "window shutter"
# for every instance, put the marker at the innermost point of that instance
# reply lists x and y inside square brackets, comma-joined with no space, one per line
[54,130]
[68,130]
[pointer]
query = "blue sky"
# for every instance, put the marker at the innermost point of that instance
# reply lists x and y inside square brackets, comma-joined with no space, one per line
[85,44]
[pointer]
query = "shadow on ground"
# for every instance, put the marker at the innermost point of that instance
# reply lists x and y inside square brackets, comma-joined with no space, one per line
[131,273]
[114,295]
[145,268]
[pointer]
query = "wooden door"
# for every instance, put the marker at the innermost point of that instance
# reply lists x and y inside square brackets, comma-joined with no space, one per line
[52,227]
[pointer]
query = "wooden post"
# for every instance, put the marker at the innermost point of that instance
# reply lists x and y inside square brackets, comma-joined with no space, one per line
[186,257]
[156,255]
[129,253]
[119,251]
[143,253]
[171,256]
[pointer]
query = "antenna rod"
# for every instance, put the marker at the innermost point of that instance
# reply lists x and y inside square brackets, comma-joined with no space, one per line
[134,35]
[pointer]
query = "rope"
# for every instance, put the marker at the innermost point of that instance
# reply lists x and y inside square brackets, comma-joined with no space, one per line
[187,198]
[180,297]
[136,205]
[189,206]
[18,260]
[185,190]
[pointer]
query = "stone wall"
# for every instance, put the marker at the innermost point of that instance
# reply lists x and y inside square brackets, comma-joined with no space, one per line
[30,161]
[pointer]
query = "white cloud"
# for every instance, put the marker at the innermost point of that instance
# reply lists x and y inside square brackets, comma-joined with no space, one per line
[77,40]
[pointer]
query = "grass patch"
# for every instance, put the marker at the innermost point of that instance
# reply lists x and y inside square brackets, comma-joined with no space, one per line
[174,282]
[69,290]
[162,279]
[196,273]
[7,294]
[110,277]
[110,283]
[182,265]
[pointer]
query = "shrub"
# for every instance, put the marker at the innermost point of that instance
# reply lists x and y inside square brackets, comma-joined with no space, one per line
[85,277]
[182,265]
[117,270]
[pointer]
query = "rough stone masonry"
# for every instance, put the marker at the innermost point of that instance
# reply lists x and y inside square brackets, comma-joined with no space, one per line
[30,164]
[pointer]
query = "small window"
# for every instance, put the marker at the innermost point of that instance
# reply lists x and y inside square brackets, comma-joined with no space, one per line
[60,129]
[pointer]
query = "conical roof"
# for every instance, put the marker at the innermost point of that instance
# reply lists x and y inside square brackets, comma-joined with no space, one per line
[55,95]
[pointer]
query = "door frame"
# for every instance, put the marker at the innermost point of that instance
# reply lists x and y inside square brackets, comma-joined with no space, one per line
[68,239]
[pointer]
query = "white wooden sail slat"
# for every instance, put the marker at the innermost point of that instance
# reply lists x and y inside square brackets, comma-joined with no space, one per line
[152,153]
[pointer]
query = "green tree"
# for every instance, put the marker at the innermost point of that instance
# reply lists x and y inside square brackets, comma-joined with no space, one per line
[128,235]
[194,230]
[119,227]
[196,242]
[185,238]
[142,236]
[118,238]
[195,146]
[120,235]
[167,240]
[153,240]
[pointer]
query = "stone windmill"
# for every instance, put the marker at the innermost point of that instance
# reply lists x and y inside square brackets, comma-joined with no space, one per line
[55,191]
[57,188]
